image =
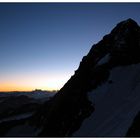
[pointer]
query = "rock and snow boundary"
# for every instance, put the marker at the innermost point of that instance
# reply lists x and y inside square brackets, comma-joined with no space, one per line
[116,104]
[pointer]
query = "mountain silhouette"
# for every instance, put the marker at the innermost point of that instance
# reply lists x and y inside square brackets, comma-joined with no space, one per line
[101,98]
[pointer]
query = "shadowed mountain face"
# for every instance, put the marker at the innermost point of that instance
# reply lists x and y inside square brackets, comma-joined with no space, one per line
[134,130]
[72,105]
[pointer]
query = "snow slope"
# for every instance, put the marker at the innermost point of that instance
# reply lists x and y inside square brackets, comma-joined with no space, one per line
[116,104]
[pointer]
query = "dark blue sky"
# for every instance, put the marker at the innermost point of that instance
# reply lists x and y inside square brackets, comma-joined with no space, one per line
[42,44]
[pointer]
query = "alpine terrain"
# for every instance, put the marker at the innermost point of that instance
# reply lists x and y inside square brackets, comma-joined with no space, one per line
[102,98]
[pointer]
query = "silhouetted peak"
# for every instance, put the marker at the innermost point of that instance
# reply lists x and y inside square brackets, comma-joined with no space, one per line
[129,21]
[125,26]
[119,48]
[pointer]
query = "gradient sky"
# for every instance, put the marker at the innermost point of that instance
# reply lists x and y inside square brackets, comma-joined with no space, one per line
[42,44]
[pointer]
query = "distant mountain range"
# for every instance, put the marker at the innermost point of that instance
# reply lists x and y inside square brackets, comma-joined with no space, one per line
[17,110]
[37,93]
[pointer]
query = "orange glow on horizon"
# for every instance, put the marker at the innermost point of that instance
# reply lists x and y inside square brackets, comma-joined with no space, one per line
[53,83]
[6,87]
[10,89]
[13,87]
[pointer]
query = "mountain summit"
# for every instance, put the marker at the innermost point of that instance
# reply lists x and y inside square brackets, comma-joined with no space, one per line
[102,97]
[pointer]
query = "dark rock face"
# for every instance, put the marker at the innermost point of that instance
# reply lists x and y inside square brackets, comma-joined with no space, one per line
[134,130]
[70,106]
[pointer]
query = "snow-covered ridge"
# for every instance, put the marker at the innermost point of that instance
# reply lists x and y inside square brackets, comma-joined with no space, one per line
[116,102]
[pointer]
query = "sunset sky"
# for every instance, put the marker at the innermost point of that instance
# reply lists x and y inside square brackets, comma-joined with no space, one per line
[42,44]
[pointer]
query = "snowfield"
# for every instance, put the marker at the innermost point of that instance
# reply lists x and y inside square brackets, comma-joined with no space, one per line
[116,102]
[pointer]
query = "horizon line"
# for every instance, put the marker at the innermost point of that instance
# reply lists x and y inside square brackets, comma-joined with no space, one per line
[30,90]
